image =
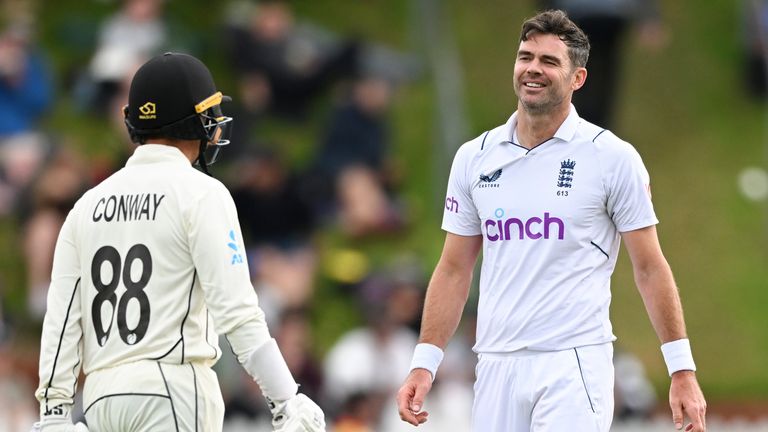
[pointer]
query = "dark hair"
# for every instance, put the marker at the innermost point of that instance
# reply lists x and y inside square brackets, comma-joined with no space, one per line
[556,22]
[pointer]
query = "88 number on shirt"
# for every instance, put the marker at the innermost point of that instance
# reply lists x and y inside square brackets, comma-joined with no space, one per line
[134,290]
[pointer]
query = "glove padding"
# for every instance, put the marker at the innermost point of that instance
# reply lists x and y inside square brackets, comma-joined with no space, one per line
[58,425]
[297,414]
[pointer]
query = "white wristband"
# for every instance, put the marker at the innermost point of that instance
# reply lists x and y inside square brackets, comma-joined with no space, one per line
[678,356]
[427,356]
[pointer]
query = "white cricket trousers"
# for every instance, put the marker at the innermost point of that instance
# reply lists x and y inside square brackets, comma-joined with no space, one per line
[152,396]
[545,391]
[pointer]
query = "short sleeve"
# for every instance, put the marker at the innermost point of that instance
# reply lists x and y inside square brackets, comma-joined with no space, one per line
[460,215]
[629,191]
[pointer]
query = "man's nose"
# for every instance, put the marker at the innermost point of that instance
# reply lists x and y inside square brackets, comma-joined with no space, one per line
[534,68]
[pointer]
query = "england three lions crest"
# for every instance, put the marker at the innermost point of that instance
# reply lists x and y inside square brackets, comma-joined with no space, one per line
[565,176]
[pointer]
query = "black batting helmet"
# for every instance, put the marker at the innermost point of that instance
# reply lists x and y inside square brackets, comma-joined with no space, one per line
[173,95]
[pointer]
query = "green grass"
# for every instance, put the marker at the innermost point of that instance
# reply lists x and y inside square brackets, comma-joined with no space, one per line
[684,107]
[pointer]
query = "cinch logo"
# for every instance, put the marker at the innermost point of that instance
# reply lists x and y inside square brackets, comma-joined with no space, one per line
[148,111]
[452,205]
[534,228]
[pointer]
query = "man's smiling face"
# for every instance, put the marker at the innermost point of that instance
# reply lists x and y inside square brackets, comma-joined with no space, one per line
[544,76]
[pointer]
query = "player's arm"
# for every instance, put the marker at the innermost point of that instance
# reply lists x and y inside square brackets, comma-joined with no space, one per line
[656,284]
[219,256]
[446,296]
[61,340]
[654,280]
[449,288]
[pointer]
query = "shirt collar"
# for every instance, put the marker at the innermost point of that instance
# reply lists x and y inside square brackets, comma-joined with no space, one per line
[565,132]
[154,153]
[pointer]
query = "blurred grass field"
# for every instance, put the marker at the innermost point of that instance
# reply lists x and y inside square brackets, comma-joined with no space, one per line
[684,108]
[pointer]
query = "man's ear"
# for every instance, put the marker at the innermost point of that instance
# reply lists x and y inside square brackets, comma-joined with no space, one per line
[579,78]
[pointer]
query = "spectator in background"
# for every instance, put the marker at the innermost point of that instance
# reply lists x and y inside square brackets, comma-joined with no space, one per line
[278,224]
[755,24]
[358,414]
[130,36]
[25,95]
[121,146]
[606,23]
[285,64]
[51,196]
[353,167]
[17,411]
[270,202]
[25,81]
[363,366]
[634,393]
[253,97]
[358,131]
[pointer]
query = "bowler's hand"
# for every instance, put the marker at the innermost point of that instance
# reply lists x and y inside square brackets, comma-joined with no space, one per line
[686,399]
[410,398]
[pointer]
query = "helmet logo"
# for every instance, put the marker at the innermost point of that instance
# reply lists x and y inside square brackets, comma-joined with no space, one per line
[148,111]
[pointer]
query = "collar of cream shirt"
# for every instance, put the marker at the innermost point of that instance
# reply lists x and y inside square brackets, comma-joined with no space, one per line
[154,153]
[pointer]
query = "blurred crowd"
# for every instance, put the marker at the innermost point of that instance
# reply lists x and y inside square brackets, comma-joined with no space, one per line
[283,68]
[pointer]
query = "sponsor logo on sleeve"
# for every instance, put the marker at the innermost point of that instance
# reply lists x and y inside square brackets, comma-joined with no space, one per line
[237,257]
[452,205]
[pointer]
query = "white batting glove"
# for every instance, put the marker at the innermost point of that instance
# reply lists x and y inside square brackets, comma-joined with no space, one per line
[58,424]
[297,414]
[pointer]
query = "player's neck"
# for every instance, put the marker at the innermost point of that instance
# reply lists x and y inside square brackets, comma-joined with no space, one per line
[190,148]
[534,128]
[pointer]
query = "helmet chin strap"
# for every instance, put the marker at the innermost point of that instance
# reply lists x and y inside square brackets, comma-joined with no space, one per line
[201,157]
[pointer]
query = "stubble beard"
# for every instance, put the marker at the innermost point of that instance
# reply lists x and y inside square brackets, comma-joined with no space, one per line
[542,105]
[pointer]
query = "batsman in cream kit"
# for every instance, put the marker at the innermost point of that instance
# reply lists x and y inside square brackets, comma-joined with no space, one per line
[149,269]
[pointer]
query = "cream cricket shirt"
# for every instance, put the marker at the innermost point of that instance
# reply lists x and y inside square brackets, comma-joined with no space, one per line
[550,219]
[149,265]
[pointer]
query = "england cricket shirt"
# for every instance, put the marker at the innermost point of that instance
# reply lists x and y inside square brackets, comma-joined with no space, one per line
[550,219]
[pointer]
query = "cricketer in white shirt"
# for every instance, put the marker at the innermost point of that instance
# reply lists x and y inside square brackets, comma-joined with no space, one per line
[149,267]
[546,197]
[550,218]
